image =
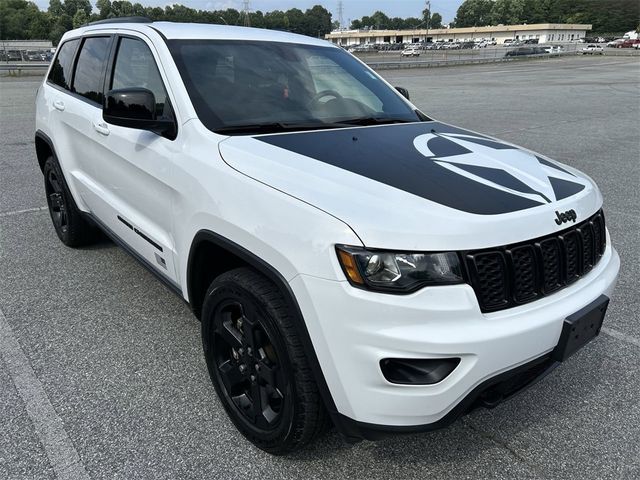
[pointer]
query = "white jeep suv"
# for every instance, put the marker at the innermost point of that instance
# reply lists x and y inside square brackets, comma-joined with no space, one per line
[352,261]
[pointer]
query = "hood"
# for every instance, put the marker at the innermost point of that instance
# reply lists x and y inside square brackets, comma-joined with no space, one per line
[419,186]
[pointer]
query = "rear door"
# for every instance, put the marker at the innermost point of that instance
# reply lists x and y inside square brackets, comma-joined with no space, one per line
[82,107]
[56,94]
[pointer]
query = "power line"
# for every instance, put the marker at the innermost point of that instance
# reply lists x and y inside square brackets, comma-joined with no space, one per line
[341,14]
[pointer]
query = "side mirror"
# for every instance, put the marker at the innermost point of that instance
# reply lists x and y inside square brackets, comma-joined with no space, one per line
[404,92]
[136,108]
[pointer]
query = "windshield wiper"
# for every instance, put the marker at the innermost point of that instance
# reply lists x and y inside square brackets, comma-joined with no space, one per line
[373,121]
[274,127]
[277,127]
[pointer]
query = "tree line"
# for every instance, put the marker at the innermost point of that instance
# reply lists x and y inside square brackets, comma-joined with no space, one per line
[380,21]
[22,19]
[606,16]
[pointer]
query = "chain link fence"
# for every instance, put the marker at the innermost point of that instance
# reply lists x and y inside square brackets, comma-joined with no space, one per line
[384,59]
[390,59]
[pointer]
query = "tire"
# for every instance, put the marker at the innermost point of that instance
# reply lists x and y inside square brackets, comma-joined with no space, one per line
[257,363]
[71,227]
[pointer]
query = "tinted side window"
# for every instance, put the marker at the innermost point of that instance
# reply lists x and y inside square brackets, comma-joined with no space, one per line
[60,73]
[136,67]
[88,79]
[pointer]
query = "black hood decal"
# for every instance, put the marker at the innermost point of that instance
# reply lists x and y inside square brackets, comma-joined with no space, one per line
[441,163]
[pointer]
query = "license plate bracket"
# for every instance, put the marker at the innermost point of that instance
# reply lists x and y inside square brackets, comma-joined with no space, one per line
[580,328]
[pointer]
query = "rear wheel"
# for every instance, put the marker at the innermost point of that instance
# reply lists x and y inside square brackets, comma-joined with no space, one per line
[257,364]
[70,226]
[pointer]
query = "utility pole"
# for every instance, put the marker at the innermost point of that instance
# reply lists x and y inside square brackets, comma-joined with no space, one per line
[428,8]
[246,11]
[341,15]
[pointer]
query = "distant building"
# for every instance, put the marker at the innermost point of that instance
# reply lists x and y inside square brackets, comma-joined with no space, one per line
[543,32]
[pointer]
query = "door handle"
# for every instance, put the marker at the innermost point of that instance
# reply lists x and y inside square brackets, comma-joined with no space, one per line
[101,128]
[58,105]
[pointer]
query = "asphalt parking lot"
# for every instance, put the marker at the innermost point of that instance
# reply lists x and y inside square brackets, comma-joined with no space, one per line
[101,370]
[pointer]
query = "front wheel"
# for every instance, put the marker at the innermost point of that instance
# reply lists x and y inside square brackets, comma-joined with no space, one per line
[257,363]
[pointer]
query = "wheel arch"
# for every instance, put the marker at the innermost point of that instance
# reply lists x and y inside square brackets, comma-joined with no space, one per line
[201,270]
[44,148]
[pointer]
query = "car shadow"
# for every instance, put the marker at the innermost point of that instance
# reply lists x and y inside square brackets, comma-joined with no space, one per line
[530,418]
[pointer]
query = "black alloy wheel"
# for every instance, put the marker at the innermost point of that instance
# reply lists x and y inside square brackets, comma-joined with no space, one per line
[258,365]
[56,201]
[72,228]
[247,364]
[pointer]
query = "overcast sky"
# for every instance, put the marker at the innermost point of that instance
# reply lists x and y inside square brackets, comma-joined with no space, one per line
[352,8]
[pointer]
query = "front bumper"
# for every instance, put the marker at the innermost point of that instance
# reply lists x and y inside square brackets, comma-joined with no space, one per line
[352,330]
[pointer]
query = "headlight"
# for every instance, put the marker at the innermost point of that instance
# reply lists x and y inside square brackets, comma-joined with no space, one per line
[398,272]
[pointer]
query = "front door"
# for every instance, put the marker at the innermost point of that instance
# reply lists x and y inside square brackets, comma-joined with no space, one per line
[135,173]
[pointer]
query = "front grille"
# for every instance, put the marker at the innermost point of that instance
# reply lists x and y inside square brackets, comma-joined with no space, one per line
[511,275]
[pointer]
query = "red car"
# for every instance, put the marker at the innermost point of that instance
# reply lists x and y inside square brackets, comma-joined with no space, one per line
[628,44]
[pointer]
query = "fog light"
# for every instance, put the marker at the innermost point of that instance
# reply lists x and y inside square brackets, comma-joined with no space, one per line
[422,371]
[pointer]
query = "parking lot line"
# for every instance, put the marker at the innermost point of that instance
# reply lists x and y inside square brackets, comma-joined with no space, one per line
[47,424]
[18,212]
[621,336]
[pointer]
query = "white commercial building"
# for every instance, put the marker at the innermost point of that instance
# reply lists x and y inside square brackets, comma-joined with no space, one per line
[25,45]
[543,32]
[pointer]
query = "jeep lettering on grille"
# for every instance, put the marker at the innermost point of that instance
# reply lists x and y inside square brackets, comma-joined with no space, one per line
[569,215]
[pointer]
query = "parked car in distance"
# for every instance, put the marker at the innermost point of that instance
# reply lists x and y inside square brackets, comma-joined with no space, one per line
[33,56]
[411,52]
[592,49]
[484,43]
[553,49]
[615,43]
[14,55]
[520,51]
[628,44]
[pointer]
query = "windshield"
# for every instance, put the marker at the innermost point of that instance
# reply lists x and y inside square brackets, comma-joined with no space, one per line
[242,86]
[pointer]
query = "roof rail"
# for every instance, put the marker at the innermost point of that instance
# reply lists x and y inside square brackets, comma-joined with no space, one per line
[121,20]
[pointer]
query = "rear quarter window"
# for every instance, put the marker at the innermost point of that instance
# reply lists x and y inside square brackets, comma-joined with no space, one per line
[60,73]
